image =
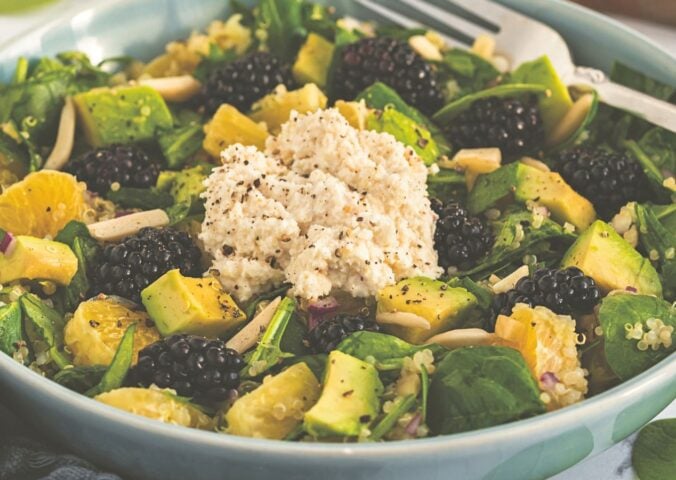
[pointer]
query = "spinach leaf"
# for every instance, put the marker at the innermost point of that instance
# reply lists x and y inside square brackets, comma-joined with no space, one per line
[10,328]
[44,328]
[318,19]
[214,60]
[250,309]
[656,239]
[178,212]
[282,22]
[400,407]
[387,351]
[446,185]
[631,78]
[181,143]
[14,157]
[470,72]
[660,146]
[144,198]
[80,378]
[654,453]
[483,295]
[516,236]
[293,340]
[71,231]
[316,363]
[119,366]
[400,33]
[655,176]
[622,354]
[479,387]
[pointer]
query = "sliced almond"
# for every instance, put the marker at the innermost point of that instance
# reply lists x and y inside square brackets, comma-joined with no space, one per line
[248,336]
[403,319]
[174,89]
[463,337]
[572,120]
[532,162]
[65,138]
[118,228]
[509,282]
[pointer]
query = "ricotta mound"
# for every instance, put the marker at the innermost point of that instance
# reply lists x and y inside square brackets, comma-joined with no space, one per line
[325,207]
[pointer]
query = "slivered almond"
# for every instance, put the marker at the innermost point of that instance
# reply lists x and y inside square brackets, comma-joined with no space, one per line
[510,280]
[174,89]
[247,337]
[463,337]
[572,120]
[403,319]
[118,228]
[65,138]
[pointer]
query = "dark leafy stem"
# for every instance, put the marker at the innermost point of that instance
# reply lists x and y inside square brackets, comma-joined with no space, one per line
[251,308]
[118,368]
[268,352]
[401,406]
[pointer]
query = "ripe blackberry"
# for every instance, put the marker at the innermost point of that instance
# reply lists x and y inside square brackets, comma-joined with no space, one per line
[127,165]
[130,266]
[567,291]
[197,367]
[609,180]
[460,239]
[390,61]
[244,81]
[326,336]
[512,125]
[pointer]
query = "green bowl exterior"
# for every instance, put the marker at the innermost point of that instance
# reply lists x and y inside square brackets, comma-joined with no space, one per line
[138,447]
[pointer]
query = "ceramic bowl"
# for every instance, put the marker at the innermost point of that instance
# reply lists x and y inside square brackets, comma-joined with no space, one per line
[141,448]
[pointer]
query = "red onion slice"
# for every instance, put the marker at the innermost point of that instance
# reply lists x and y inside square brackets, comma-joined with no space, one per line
[412,427]
[549,380]
[6,241]
[320,310]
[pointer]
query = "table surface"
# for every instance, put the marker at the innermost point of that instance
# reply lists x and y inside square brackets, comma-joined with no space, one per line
[615,463]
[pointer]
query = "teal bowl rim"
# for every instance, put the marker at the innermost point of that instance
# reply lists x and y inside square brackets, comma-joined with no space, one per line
[655,378]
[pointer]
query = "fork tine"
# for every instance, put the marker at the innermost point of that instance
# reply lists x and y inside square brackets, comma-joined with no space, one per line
[489,10]
[400,19]
[453,21]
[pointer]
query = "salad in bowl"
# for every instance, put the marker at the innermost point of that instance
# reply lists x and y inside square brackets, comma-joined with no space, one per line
[305,227]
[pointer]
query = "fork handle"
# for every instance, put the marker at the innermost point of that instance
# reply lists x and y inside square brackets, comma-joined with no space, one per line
[650,108]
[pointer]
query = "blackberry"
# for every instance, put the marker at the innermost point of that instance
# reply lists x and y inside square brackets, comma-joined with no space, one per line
[244,81]
[512,125]
[567,291]
[197,367]
[608,180]
[459,239]
[390,61]
[326,336]
[127,165]
[130,266]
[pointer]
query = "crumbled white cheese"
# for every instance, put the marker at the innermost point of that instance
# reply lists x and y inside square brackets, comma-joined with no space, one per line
[325,207]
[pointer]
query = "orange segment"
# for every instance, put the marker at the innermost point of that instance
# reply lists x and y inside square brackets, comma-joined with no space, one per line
[97,327]
[41,204]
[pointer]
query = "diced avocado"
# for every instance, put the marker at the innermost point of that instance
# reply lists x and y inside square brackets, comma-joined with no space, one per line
[275,109]
[443,306]
[350,398]
[121,114]
[354,112]
[604,255]
[38,259]
[229,126]
[557,102]
[198,306]
[525,183]
[314,60]
[406,131]
[184,186]
[277,407]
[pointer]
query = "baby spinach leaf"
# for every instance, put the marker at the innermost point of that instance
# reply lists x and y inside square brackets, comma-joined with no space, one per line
[181,143]
[10,328]
[293,340]
[250,309]
[446,185]
[388,351]
[655,176]
[14,157]
[71,231]
[479,387]
[655,238]
[470,72]
[178,212]
[44,328]
[214,60]
[483,295]
[80,378]
[654,453]
[282,22]
[119,366]
[622,354]
[145,198]
[660,146]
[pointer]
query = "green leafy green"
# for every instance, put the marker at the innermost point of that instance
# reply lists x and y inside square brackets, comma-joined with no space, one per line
[656,238]
[654,453]
[622,354]
[400,407]
[145,198]
[71,231]
[483,295]
[636,80]
[80,378]
[655,177]
[470,72]
[316,363]
[446,185]
[14,157]
[10,328]
[660,146]
[251,307]
[119,366]
[282,22]
[178,212]
[181,143]
[478,387]
[44,328]
[215,59]
[293,340]
[387,351]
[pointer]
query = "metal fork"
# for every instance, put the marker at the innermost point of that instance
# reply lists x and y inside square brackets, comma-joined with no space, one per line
[520,39]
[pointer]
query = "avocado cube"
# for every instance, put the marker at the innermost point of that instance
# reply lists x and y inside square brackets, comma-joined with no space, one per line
[259,414]
[350,398]
[314,60]
[38,259]
[197,306]
[442,306]
[184,186]
[126,114]
[275,109]
[524,183]
[611,261]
